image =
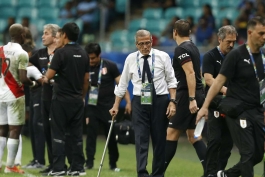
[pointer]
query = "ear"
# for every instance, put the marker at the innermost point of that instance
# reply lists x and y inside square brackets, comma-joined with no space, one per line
[249,31]
[219,40]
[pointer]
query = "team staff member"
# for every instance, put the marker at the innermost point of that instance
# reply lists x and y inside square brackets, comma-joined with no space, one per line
[242,70]
[219,139]
[190,97]
[40,59]
[13,65]
[150,105]
[67,109]
[103,74]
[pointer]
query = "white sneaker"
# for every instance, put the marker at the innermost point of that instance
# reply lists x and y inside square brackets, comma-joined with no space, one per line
[221,173]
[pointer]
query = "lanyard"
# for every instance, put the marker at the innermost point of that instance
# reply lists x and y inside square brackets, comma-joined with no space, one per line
[99,73]
[253,62]
[153,65]
[220,52]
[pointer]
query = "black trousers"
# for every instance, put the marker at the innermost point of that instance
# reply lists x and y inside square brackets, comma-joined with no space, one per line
[150,121]
[219,143]
[36,126]
[100,115]
[67,117]
[46,106]
[249,138]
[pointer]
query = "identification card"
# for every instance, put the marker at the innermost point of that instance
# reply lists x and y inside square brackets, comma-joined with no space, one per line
[93,96]
[262,91]
[146,94]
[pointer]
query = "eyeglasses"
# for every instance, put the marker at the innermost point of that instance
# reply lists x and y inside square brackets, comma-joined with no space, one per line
[141,44]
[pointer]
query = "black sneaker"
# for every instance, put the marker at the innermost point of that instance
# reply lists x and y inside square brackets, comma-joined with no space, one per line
[46,170]
[82,172]
[56,173]
[73,173]
[30,164]
[221,173]
[89,165]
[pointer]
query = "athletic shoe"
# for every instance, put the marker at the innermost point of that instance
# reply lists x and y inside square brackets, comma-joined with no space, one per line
[58,173]
[73,173]
[29,164]
[13,170]
[46,170]
[89,165]
[33,165]
[221,173]
[18,166]
[82,172]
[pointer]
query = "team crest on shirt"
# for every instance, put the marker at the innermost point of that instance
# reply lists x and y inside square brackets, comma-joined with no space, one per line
[104,71]
[216,114]
[243,123]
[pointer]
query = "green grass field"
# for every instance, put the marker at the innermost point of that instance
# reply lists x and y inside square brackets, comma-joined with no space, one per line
[184,164]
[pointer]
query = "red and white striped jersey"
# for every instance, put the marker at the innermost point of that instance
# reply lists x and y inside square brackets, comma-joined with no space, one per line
[12,59]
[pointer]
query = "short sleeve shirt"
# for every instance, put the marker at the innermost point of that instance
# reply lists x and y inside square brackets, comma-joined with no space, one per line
[109,72]
[71,63]
[242,83]
[184,53]
[13,59]
[211,64]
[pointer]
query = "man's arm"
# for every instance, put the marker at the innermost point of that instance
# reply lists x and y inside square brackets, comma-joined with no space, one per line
[23,78]
[209,81]
[213,91]
[191,82]
[49,75]
[126,97]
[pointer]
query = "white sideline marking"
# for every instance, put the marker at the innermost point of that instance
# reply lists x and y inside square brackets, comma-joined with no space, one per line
[25,174]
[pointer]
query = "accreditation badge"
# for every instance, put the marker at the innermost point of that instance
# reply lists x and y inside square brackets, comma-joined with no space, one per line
[262,91]
[93,96]
[146,94]
[243,123]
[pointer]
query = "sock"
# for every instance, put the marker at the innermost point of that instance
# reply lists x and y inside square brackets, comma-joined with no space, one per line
[2,147]
[171,148]
[19,152]
[12,147]
[200,148]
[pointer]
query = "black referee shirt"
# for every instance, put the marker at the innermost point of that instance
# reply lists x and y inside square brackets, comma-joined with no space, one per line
[70,63]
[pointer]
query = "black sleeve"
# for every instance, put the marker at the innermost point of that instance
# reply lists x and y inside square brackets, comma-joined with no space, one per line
[208,64]
[34,59]
[228,67]
[56,61]
[182,55]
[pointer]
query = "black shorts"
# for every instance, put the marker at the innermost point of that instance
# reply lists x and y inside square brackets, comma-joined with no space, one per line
[183,119]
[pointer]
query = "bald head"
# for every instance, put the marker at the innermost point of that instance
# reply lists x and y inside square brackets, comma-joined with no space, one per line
[16,32]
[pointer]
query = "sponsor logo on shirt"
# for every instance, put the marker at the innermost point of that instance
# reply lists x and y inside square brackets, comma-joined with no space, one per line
[91,72]
[247,60]
[77,56]
[43,58]
[183,56]
[218,62]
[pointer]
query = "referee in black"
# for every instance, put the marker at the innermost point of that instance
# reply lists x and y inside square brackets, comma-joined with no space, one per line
[71,63]
[243,69]
[190,93]
[219,143]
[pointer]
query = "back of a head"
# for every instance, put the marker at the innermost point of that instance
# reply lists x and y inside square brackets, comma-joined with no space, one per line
[182,27]
[28,48]
[28,37]
[255,21]
[93,48]
[15,31]
[71,30]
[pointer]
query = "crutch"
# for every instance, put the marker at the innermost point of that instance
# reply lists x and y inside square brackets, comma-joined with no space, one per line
[106,145]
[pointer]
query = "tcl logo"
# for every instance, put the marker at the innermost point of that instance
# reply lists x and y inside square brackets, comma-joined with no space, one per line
[183,56]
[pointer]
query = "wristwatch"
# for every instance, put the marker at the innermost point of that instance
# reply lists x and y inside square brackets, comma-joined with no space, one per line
[173,100]
[191,98]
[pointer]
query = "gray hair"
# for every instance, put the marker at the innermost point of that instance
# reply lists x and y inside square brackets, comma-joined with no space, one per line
[53,27]
[142,33]
[226,30]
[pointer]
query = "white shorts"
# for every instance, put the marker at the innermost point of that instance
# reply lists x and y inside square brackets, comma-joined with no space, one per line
[13,112]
